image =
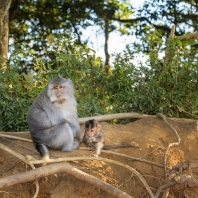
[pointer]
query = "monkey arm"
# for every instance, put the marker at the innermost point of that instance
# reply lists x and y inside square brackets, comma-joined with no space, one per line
[42,114]
[75,127]
[99,137]
[87,141]
[48,118]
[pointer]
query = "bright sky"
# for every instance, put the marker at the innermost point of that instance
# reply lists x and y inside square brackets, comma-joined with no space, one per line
[117,43]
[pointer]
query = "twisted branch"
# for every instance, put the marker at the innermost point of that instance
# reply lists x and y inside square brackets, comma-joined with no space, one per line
[170,144]
[23,159]
[34,161]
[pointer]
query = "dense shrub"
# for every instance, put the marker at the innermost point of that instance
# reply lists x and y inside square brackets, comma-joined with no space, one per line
[146,87]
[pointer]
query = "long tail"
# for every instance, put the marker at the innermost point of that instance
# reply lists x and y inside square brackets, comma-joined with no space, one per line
[120,146]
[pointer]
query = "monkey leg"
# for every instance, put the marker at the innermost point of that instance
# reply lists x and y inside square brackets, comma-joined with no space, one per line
[76,132]
[70,144]
[98,147]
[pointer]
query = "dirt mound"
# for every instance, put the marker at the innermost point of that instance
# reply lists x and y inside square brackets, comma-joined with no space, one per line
[152,135]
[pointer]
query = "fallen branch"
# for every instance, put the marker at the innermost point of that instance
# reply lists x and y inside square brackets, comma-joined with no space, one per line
[84,148]
[15,137]
[179,183]
[58,168]
[178,180]
[134,158]
[115,116]
[34,161]
[128,116]
[118,116]
[170,144]
[22,158]
[165,186]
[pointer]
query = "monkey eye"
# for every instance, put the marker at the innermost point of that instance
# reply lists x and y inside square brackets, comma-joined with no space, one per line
[55,87]
[58,87]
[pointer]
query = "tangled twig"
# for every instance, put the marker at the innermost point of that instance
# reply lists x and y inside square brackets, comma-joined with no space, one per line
[170,144]
[32,161]
[83,148]
[57,168]
[22,158]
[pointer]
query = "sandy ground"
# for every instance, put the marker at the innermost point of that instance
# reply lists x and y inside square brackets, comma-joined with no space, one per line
[152,135]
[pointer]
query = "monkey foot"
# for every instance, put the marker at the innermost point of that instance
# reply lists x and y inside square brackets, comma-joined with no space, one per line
[90,148]
[30,158]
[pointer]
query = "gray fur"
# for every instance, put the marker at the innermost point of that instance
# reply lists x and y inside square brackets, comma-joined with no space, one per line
[55,124]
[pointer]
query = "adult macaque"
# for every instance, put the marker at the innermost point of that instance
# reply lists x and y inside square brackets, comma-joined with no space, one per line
[94,138]
[53,120]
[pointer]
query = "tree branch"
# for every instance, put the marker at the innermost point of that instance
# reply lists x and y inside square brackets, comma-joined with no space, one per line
[189,36]
[23,159]
[127,116]
[58,168]
[114,116]
[160,27]
[32,161]
[83,148]
[170,144]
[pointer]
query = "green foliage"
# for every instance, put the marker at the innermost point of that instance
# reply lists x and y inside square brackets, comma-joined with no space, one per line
[169,88]
[15,92]
[147,86]
[32,22]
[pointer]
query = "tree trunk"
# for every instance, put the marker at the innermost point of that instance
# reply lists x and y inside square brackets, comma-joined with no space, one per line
[106,42]
[4,30]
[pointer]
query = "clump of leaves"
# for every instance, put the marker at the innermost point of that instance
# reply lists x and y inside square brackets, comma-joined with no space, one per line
[146,87]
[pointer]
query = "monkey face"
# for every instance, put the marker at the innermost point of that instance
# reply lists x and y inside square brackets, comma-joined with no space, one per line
[60,92]
[91,131]
[57,93]
[89,134]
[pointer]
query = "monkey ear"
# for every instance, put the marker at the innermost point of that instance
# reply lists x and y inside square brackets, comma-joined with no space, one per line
[99,126]
[59,76]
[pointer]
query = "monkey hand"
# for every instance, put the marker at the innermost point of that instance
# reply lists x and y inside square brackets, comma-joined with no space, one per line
[90,139]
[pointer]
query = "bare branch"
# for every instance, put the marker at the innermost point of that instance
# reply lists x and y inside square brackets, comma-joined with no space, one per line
[15,137]
[23,159]
[134,158]
[126,116]
[34,161]
[83,148]
[170,144]
[165,186]
[115,116]
[189,36]
[160,27]
[58,168]
[172,33]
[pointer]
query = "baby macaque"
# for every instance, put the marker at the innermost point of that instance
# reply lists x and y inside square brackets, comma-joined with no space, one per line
[94,138]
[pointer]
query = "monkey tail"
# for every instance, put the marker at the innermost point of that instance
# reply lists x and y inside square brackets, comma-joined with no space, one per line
[120,146]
